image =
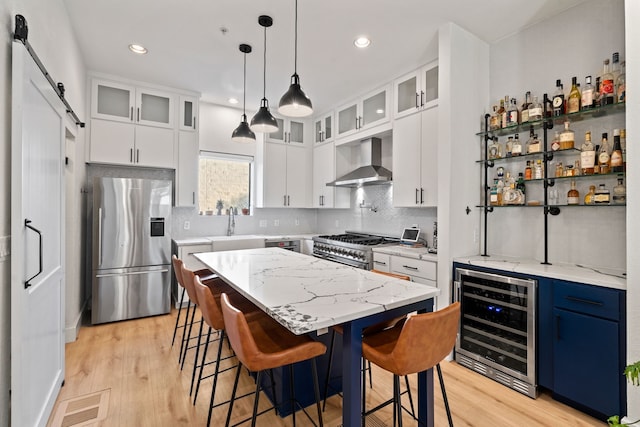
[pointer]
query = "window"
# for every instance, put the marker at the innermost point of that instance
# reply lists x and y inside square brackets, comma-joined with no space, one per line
[224,182]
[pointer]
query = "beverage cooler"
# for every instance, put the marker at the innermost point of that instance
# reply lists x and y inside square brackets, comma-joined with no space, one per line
[497,327]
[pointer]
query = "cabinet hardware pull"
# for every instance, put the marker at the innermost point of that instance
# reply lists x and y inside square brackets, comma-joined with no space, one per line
[422,196]
[284,202]
[417,104]
[422,98]
[130,155]
[138,114]
[416,196]
[27,223]
[131,113]
[193,196]
[584,301]
[137,156]
[288,200]
[194,122]
[379,262]
[408,267]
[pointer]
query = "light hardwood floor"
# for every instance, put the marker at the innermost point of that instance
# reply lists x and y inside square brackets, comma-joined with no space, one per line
[135,360]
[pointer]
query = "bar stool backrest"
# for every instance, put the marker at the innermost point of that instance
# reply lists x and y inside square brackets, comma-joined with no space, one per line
[240,335]
[207,303]
[187,282]
[425,340]
[179,267]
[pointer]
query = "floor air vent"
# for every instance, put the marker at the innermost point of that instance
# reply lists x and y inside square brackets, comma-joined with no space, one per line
[82,410]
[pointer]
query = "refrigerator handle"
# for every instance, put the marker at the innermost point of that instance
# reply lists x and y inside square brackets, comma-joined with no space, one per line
[99,236]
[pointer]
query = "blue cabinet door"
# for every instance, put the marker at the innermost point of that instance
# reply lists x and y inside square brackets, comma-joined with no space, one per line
[586,367]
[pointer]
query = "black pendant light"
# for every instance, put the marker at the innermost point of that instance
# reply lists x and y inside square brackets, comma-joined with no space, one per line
[263,121]
[294,103]
[243,133]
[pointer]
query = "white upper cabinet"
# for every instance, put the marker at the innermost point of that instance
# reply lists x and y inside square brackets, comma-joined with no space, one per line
[188,113]
[285,176]
[363,113]
[415,160]
[325,162]
[290,131]
[187,169]
[323,129]
[126,103]
[416,91]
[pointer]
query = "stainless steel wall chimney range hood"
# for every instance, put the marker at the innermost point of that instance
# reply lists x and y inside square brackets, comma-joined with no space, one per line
[371,172]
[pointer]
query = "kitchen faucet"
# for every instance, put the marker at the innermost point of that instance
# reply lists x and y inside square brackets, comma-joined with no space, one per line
[231,225]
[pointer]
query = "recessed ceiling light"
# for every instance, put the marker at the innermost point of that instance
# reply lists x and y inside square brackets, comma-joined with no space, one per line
[362,42]
[233,101]
[136,48]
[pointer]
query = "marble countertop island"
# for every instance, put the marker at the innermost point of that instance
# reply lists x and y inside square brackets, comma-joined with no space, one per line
[308,294]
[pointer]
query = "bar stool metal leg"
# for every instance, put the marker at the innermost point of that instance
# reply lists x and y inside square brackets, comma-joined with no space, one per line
[184,330]
[233,397]
[444,395]
[187,337]
[202,363]
[257,398]
[195,358]
[175,329]
[316,390]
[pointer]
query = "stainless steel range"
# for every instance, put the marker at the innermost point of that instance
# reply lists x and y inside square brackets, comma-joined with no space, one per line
[351,248]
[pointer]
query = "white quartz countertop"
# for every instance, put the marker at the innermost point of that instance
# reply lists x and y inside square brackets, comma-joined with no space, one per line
[571,272]
[208,239]
[308,294]
[407,252]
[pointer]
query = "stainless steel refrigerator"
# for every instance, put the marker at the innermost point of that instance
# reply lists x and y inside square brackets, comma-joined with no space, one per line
[131,250]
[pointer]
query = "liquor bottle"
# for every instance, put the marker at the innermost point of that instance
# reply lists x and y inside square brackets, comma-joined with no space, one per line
[573,196]
[555,144]
[512,113]
[623,145]
[521,187]
[534,144]
[505,112]
[494,149]
[559,170]
[606,85]
[567,137]
[588,155]
[558,99]
[573,103]
[508,147]
[596,165]
[538,172]
[535,110]
[587,97]
[527,171]
[619,193]
[615,66]
[494,120]
[603,196]
[516,149]
[603,155]
[616,153]
[621,84]
[493,193]
[597,97]
[589,197]
[524,111]
[501,114]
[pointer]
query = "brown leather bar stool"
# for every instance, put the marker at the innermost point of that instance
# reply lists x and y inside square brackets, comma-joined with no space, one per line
[413,346]
[264,345]
[209,299]
[191,309]
[370,330]
[204,274]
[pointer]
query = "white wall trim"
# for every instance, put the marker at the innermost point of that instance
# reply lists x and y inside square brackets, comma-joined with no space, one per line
[71,332]
[5,248]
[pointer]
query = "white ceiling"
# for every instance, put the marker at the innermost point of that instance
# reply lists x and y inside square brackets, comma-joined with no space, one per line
[188,50]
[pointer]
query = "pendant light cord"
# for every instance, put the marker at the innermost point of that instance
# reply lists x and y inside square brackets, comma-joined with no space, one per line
[244,88]
[295,60]
[264,68]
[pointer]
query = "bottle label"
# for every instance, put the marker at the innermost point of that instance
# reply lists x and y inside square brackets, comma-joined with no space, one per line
[534,147]
[573,105]
[601,198]
[512,118]
[573,200]
[566,137]
[603,158]
[587,98]
[535,113]
[524,116]
[607,87]
[555,145]
[587,159]
[504,118]
[516,150]
[616,158]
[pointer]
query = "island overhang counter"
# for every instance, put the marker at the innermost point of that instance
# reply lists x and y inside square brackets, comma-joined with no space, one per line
[308,295]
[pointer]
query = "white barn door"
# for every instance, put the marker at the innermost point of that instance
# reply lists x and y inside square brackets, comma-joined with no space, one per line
[37,243]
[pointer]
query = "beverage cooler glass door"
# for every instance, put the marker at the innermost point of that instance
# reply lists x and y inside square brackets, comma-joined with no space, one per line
[497,327]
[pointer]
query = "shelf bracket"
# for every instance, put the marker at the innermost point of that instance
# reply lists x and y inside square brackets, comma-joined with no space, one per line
[548,156]
[552,210]
[488,209]
[490,163]
[549,183]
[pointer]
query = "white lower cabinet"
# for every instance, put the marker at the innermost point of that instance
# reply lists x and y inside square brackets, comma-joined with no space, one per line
[420,271]
[133,145]
[382,262]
